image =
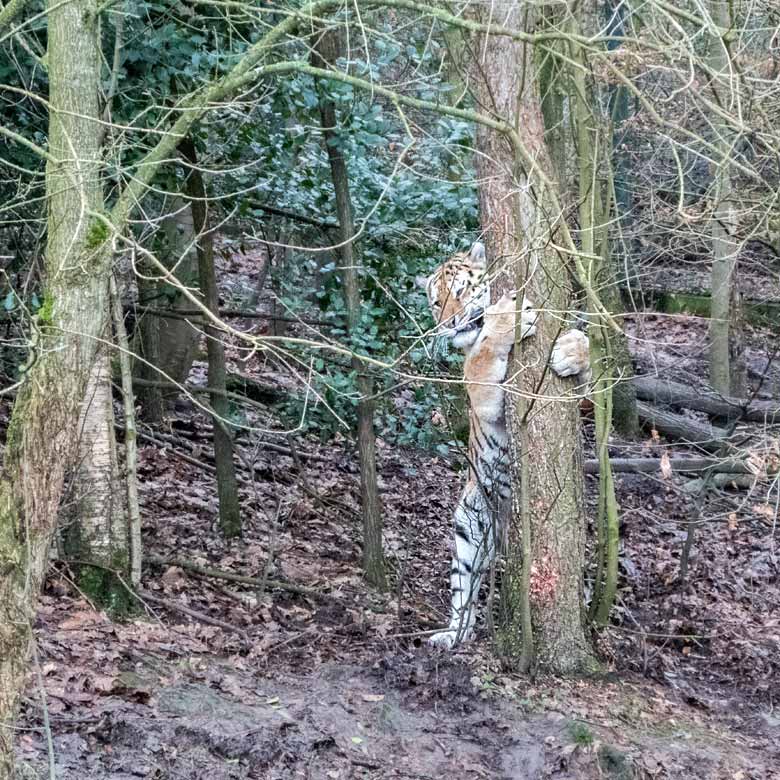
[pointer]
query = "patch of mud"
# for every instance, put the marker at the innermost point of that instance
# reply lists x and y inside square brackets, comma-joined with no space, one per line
[413,715]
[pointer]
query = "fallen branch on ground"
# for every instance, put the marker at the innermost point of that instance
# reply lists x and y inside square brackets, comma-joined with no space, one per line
[675,426]
[201,617]
[218,574]
[664,391]
[679,465]
[744,481]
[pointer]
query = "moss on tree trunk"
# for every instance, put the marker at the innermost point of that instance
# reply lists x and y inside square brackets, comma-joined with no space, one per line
[42,433]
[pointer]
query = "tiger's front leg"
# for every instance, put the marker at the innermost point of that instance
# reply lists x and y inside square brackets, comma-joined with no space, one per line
[487,490]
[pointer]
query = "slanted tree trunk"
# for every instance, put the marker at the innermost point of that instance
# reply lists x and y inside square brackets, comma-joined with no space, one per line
[326,52]
[41,442]
[227,484]
[543,579]
[96,523]
[727,359]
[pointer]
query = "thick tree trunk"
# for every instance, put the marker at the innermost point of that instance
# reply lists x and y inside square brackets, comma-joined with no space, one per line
[227,485]
[96,524]
[727,346]
[545,556]
[42,433]
[326,51]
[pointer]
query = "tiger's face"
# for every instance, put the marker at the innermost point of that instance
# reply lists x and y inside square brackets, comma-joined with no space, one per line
[458,294]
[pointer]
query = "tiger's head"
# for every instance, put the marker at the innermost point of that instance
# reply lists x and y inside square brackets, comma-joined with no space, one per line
[458,294]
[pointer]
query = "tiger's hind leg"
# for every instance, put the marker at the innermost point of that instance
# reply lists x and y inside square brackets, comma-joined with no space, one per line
[474,550]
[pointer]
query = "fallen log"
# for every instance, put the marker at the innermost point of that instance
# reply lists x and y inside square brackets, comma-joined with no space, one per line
[678,465]
[665,391]
[720,481]
[675,426]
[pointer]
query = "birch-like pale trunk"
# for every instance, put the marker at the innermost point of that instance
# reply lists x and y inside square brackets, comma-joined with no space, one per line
[42,436]
[96,523]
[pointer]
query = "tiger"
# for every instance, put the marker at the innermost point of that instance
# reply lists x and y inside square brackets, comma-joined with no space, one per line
[459,299]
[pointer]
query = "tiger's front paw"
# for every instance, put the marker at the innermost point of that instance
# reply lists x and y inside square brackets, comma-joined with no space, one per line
[571,355]
[499,324]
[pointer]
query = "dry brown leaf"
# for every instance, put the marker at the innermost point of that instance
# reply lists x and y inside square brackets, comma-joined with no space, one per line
[765,512]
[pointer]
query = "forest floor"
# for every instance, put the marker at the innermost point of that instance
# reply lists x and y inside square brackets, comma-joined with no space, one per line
[338,683]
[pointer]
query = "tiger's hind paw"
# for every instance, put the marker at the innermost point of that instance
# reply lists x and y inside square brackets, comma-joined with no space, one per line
[448,639]
[444,639]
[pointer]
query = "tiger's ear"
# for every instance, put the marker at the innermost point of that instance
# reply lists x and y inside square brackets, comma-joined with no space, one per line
[477,254]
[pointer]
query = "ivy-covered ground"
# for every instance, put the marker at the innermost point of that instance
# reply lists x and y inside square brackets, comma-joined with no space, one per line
[219,679]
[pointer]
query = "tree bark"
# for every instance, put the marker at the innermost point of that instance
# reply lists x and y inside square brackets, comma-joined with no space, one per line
[168,345]
[227,485]
[96,523]
[326,51]
[131,437]
[727,343]
[594,219]
[42,434]
[545,553]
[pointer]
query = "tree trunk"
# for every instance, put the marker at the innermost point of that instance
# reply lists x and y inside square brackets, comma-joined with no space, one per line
[326,52]
[168,345]
[594,219]
[227,485]
[543,583]
[147,350]
[727,359]
[96,523]
[131,436]
[42,436]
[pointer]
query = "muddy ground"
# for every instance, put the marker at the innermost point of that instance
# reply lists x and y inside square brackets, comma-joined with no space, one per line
[217,679]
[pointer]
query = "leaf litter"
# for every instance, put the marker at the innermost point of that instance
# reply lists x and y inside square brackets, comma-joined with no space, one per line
[343,686]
